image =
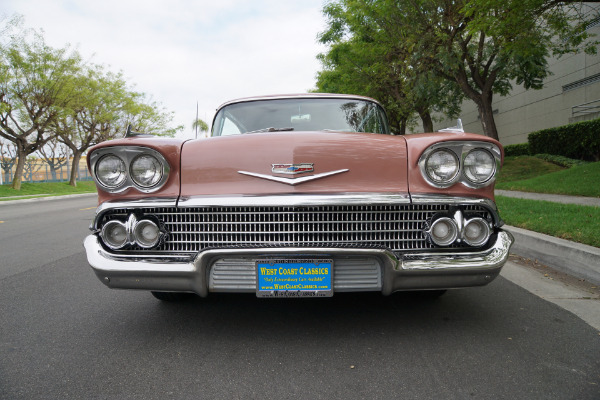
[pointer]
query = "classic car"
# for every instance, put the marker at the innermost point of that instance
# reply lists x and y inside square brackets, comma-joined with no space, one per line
[297,196]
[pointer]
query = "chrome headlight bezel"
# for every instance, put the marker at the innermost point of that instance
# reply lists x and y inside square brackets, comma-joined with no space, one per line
[122,172]
[461,149]
[427,168]
[128,154]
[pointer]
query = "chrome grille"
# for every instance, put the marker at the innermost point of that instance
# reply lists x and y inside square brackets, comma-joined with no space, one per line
[395,227]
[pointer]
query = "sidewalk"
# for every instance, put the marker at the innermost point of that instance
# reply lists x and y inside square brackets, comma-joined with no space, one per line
[575,259]
[555,198]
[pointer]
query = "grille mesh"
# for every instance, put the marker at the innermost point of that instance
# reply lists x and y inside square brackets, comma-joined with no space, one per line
[396,227]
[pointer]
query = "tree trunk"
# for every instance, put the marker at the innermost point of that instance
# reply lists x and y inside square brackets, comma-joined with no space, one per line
[403,127]
[75,168]
[21,159]
[427,121]
[486,113]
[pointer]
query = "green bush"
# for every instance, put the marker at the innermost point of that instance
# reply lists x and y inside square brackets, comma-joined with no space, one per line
[560,160]
[521,149]
[578,141]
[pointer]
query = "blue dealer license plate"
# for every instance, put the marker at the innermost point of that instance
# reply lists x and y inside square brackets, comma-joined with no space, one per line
[294,278]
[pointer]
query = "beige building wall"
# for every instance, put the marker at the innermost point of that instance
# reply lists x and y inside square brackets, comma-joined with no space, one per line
[575,80]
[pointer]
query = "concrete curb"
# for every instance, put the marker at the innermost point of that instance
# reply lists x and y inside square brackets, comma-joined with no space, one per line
[31,200]
[578,260]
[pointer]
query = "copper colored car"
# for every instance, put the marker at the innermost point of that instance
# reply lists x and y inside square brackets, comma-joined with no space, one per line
[297,196]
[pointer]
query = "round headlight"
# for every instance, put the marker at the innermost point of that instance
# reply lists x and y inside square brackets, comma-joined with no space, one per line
[480,166]
[114,234]
[444,231]
[111,171]
[146,233]
[476,232]
[146,170]
[442,166]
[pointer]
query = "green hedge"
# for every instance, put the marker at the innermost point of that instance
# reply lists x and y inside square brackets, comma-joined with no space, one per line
[579,141]
[521,149]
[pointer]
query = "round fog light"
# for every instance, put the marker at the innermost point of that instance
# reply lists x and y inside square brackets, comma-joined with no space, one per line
[443,231]
[114,234]
[476,232]
[146,233]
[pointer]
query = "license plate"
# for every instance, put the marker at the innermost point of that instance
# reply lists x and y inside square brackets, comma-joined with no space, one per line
[294,278]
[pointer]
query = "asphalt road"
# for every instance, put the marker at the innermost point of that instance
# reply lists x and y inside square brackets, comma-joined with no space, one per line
[64,335]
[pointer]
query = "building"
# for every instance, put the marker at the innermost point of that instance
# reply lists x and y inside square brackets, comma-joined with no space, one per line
[570,94]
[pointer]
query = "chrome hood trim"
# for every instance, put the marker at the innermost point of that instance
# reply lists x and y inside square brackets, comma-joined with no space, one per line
[295,200]
[293,181]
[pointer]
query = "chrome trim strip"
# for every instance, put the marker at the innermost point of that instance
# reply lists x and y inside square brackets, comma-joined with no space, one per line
[293,181]
[452,200]
[295,200]
[143,203]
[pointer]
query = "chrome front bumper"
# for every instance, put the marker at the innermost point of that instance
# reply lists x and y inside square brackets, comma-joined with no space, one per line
[411,272]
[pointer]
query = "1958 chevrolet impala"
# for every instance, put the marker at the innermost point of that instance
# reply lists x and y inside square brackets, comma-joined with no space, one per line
[297,196]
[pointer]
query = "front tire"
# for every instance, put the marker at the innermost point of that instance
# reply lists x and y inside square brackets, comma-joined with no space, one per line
[172,296]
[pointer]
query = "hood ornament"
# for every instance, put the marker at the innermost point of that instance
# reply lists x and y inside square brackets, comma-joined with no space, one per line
[292,169]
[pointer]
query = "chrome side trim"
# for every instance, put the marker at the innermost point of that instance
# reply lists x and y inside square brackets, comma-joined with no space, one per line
[293,181]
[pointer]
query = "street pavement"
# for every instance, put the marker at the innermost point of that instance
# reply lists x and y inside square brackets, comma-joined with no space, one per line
[529,334]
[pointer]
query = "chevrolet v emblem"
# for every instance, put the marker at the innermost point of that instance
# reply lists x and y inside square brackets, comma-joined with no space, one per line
[293,181]
[292,168]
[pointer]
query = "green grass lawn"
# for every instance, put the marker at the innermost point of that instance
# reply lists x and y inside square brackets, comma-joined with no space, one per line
[529,174]
[525,167]
[46,188]
[567,221]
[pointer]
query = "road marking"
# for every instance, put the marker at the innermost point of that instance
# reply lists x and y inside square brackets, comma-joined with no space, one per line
[84,209]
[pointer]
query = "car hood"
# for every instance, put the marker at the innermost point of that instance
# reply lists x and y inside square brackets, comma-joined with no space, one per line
[242,164]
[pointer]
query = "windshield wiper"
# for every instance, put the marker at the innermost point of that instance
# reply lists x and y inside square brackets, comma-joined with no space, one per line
[271,129]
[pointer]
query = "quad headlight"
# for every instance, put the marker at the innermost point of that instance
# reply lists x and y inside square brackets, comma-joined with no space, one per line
[474,164]
[118,168]
[442,167]
[146,170]
[146,233]
[111,171]
[480,166]
[445,229]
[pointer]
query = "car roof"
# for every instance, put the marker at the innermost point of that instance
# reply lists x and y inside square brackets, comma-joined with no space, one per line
[299,96]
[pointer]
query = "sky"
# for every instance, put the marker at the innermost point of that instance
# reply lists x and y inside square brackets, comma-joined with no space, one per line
[187,52]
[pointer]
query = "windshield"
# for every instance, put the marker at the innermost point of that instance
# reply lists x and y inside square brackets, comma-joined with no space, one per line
[300,114]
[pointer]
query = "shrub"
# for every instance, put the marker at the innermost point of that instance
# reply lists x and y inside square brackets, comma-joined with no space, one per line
[578,141]
[560,160]
[521,149]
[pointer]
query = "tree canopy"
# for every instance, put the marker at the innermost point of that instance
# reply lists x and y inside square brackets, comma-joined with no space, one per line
[433,47]
[50,94]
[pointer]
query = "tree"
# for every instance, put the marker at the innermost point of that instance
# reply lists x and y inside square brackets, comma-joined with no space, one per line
[483,46]
[35,86]
[101,108]
[200,125]
[54,155]
[8,158]
[364,58]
